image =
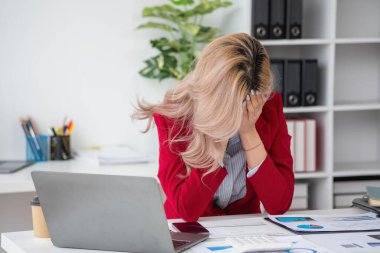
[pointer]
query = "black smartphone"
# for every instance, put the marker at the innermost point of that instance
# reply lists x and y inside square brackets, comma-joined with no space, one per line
[190,227]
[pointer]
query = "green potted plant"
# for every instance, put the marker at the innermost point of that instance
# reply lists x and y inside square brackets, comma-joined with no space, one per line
[182,21]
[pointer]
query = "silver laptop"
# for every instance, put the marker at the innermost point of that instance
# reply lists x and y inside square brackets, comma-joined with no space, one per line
[107,212]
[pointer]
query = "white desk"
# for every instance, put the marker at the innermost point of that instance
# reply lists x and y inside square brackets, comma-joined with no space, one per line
[24,242]
[21,181]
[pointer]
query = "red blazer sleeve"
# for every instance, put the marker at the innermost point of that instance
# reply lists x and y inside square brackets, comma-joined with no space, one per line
[274,181]
[188,196]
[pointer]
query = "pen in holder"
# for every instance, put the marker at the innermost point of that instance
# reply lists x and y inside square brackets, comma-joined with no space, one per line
[37,148]
[60,147]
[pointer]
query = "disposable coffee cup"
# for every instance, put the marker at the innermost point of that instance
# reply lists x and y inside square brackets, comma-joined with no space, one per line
[39,224]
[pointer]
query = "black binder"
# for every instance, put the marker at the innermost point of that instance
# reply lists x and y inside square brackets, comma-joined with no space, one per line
[292,88]
[277,68]
[277,19]
[260,19]
[309,82]
[294,19]
[363,204]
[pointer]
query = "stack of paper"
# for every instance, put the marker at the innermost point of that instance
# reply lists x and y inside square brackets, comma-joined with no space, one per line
[112,155]
[221,229]
[299,244]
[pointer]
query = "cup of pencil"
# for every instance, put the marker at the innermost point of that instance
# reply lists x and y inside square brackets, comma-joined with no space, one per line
[37,144]
[60,142]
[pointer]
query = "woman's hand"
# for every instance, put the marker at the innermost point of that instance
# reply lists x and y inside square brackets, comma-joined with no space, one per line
[252,108]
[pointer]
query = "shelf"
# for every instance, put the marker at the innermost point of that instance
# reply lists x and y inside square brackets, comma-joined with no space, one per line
[305,109]
[310,175]
[357,40]
[357,169]
[295,42]
[357,73]
[357,19]
[357,140]
[358,106]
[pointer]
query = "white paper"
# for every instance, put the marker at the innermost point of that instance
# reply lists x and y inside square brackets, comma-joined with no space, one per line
[234,222]
[300,245]
[213,247]
[349,242]
[112,155]
[328,223]
[241,227]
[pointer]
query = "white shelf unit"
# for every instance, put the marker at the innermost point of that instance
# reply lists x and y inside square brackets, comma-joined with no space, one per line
[344,35]
[295,42]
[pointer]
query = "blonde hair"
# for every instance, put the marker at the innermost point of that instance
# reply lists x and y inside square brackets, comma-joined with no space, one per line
[208,101]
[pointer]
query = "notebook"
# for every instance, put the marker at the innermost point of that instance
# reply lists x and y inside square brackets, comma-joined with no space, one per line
[13,166]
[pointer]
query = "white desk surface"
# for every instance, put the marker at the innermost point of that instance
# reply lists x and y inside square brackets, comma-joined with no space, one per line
[25,242]
[21,181]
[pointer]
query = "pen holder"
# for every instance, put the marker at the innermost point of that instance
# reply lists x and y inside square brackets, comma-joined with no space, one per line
[37,148]
[39,224]
[60,147]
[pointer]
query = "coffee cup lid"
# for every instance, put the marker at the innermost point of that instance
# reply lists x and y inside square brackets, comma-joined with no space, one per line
[35,201]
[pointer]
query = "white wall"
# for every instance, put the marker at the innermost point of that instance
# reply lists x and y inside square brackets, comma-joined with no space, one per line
[81,58]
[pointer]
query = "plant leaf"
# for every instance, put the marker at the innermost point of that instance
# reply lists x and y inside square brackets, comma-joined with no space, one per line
[175,73]
[206,34]
[182,2]
[156,25]
[165,11]
[160,67]
[186,45]
[206,7]
[187,62]
[165,45]
[190,28]
[169,61]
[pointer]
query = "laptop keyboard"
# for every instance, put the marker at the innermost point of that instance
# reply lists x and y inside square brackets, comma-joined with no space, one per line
[179,243]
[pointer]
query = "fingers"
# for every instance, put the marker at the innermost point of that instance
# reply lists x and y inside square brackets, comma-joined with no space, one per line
[254,102]
[260,100]
[245,109]
[250,108]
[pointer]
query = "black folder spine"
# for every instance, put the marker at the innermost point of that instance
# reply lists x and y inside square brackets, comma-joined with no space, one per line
[260,19]
[310,82]
[294,19]
[292,89]
[277,19]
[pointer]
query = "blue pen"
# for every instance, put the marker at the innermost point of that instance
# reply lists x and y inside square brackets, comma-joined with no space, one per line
[34,138]
[29,140]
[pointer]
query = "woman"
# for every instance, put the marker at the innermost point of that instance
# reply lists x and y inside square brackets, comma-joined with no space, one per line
[224,145]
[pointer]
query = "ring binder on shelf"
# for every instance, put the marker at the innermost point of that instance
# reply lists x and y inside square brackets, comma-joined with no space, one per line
[260,19]
[294,19]
[277,19]
[292,89]
[309,82]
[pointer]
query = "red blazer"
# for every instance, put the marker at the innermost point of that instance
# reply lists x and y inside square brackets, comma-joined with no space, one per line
[192,197]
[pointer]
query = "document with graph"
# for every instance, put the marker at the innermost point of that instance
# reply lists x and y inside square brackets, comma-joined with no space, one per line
[327,223]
